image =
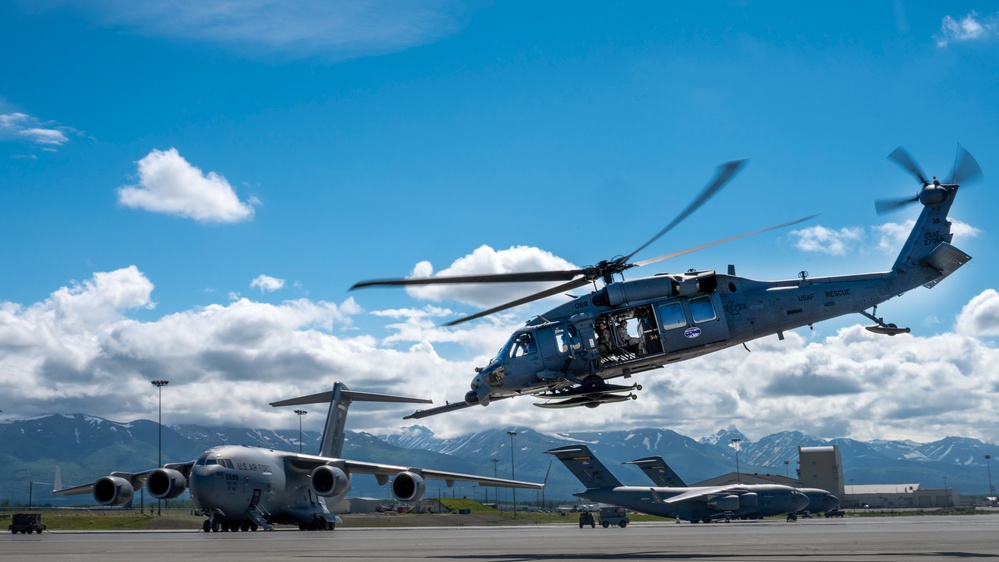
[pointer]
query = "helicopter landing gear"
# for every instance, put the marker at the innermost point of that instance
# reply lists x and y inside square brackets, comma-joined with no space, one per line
[591,393]
[881,327]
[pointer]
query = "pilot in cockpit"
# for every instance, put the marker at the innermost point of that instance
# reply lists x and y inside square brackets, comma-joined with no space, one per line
[524,345]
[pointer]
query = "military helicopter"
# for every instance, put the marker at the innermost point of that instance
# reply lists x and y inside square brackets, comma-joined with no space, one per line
[566,356]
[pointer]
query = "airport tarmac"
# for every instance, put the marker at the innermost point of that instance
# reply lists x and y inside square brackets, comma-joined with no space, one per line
[882,539]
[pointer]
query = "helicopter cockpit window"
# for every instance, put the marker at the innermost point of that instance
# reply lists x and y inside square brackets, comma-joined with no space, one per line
[523,344]
[672,315]
[701,310]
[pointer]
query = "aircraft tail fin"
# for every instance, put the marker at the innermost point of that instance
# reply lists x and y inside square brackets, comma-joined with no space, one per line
[659,472]
[927,255]
[585,466]
[339,400]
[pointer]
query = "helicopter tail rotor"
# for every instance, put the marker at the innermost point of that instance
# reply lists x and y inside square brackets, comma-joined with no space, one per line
[965,170]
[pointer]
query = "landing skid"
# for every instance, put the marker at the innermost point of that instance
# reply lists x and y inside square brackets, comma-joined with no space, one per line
[589,395]
[588,401]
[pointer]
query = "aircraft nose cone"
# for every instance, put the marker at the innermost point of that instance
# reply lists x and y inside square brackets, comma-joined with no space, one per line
[834,503]
[800,501]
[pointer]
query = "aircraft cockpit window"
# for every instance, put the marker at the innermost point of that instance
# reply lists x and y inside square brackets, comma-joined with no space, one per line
[523,344]
[701,310]
[210,462]
[226,462]
[672,315]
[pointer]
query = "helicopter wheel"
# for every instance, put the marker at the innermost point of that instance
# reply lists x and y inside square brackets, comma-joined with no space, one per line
[592,381]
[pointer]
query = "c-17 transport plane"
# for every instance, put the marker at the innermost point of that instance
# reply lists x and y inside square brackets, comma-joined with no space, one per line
[243,488]
[694,504]
[819,500]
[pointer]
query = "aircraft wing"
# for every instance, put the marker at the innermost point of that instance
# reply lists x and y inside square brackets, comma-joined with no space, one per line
[693,495]
[430,474]
[136,479]
[308,462]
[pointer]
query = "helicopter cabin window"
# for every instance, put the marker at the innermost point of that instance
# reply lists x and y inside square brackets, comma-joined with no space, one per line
[671,314]
[701,310]
[524,344]
[566,338]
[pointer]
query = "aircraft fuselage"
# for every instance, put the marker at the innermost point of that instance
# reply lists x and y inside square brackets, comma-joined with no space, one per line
[749,500]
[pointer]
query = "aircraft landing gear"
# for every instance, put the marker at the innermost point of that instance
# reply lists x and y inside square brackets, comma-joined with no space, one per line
[318,524]
[792,517]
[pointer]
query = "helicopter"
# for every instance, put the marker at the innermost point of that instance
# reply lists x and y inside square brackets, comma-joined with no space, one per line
[566,356]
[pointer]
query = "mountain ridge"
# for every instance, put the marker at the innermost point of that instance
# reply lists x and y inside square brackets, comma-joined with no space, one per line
[86,447]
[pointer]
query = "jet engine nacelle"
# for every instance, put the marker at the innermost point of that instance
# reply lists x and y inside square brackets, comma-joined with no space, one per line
[749,499]
[725,503]
[166,483]
[112,490]
[408,486]
[329,481]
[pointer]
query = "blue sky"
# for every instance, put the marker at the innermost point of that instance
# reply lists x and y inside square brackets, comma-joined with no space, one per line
[189,192]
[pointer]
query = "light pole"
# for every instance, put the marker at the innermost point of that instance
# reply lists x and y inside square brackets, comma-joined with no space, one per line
[513,472]
[992,491]
[300,414]
[735,445]
[495,464]
[159,384]
[785,468]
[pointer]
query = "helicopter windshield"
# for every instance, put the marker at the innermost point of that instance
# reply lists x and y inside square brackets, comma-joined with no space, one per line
[519,345]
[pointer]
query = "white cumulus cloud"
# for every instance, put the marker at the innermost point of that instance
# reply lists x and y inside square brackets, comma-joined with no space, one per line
[826,240]
[486,260]
[980,317]
[169,184]
[267,284]
[83,349]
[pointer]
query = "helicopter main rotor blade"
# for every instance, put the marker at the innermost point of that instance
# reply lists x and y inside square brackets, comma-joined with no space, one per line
[526,277]
[725,174]
[722,241]
[902,157]
[524,300]
[966,168]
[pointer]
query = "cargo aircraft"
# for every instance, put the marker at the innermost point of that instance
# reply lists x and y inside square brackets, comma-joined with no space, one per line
[819,500]
[690,503]
[245,488]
